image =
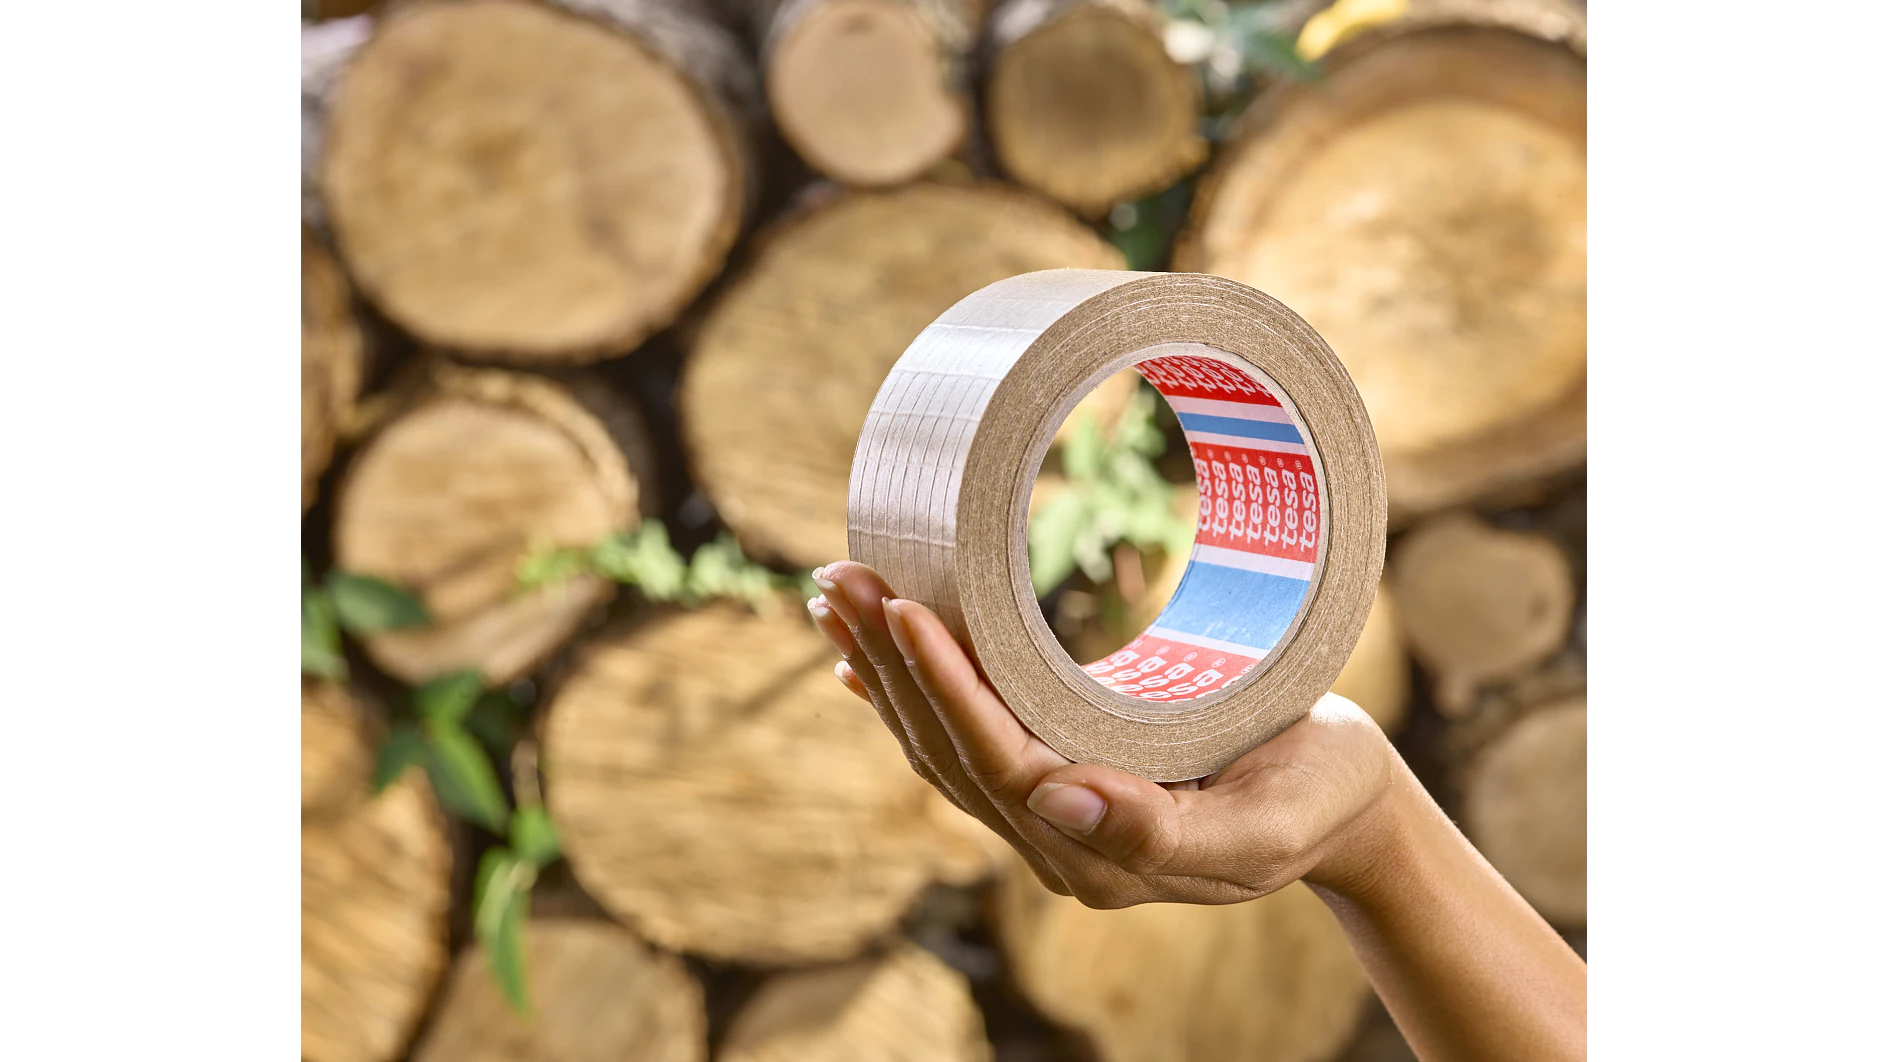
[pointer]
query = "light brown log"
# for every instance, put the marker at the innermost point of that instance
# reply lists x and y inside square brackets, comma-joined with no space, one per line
[481,468]
[1479,604]
[539,182]
[1377,674]
[1270,980]
[376,874]
[720,792]
[597,994]
[337,749]
[902,1006]
[1424,207]
[783,371]
[1524,806]
[869,92]
[327,47]
[331,360]
[1085,105]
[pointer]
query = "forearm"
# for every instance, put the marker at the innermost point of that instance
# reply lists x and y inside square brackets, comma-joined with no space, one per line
[1468,970]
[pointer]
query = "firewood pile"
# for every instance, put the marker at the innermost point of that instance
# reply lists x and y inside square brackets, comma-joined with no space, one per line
[595,296]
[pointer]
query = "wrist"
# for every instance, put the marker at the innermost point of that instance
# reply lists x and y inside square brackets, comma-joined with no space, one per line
[1379,846]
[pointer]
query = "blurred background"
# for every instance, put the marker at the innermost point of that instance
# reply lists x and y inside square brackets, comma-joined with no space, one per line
[595,297]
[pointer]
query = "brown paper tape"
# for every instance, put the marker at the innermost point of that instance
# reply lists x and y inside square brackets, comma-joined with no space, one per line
[1290,540]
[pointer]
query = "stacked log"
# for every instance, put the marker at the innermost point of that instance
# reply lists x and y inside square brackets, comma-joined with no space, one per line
[376,873]
[788,358]
[1481,605]
[544,183]
[597,995]
[1524,806]
[1270,979]
[331,360]
[1376,676]
[482,467]
[1424,207]
[902,1006]
[1084,104]
[717,791]
[869,92]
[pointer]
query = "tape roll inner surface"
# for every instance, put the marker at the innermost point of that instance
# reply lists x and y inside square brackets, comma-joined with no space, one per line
[942,478]
[1258,541]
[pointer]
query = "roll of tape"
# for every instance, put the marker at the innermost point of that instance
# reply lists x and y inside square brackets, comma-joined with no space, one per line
[1289,545]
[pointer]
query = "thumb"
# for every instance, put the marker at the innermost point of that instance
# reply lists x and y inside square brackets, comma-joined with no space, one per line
[1145,828]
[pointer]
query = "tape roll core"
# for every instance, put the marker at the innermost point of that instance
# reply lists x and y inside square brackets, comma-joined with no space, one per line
[942,477]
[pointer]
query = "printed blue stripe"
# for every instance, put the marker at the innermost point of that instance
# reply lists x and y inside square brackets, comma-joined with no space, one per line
[1234,605]
[1245,429]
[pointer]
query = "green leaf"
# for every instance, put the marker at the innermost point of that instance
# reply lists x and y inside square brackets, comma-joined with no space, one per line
[321,638]
[1052,534]
[493,720]
[548,567]
[366,605]
[403,747]
[1262,49]
[449,697]
[720,569]
[463,776]
[533,837]
[644,559]
[501,898]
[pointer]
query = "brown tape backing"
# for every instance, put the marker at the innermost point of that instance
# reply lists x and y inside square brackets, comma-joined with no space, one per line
[1290,543]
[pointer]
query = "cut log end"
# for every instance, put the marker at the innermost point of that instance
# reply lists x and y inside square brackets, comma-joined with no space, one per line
[484,467]
[1479,604]
[1377,675]
[719,791]
[1524,806]
[375,892]
[597,994]
[789,337]
[1428,195]
[331,360]
[337,750]
[863,91]
[904,1006]
[1270,978]
[486,174]
[1085,105]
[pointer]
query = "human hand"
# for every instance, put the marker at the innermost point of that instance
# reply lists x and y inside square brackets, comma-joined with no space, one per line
[1298,806]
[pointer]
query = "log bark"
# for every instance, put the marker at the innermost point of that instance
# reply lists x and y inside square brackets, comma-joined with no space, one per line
[788,358]
[480,468]
[597,993]
[332,355]
[1480,605]
[1424,207]
[376,875]
[1271,979]
[903,1006]
[1085,105]
[1377,675]
[869,92]
[1524,806]
[721,793]
[543,183]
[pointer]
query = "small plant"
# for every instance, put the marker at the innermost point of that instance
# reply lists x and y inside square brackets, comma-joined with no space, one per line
[1114,494]
[358,604]
[644,559]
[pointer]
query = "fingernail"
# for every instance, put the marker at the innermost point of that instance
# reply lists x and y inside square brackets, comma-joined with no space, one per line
[899,626]
[817,606]
[837,600]
[1072,807]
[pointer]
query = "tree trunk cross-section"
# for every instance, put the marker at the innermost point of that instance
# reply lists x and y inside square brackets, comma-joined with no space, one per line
[1269,980]
[1424,207]
[538,182]
[869,92]
[332,352]
[376,878]
[1084,104]
[1524,806]
[903,1006]
[786,363]
[720,792]
[481,469]
[597,993]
